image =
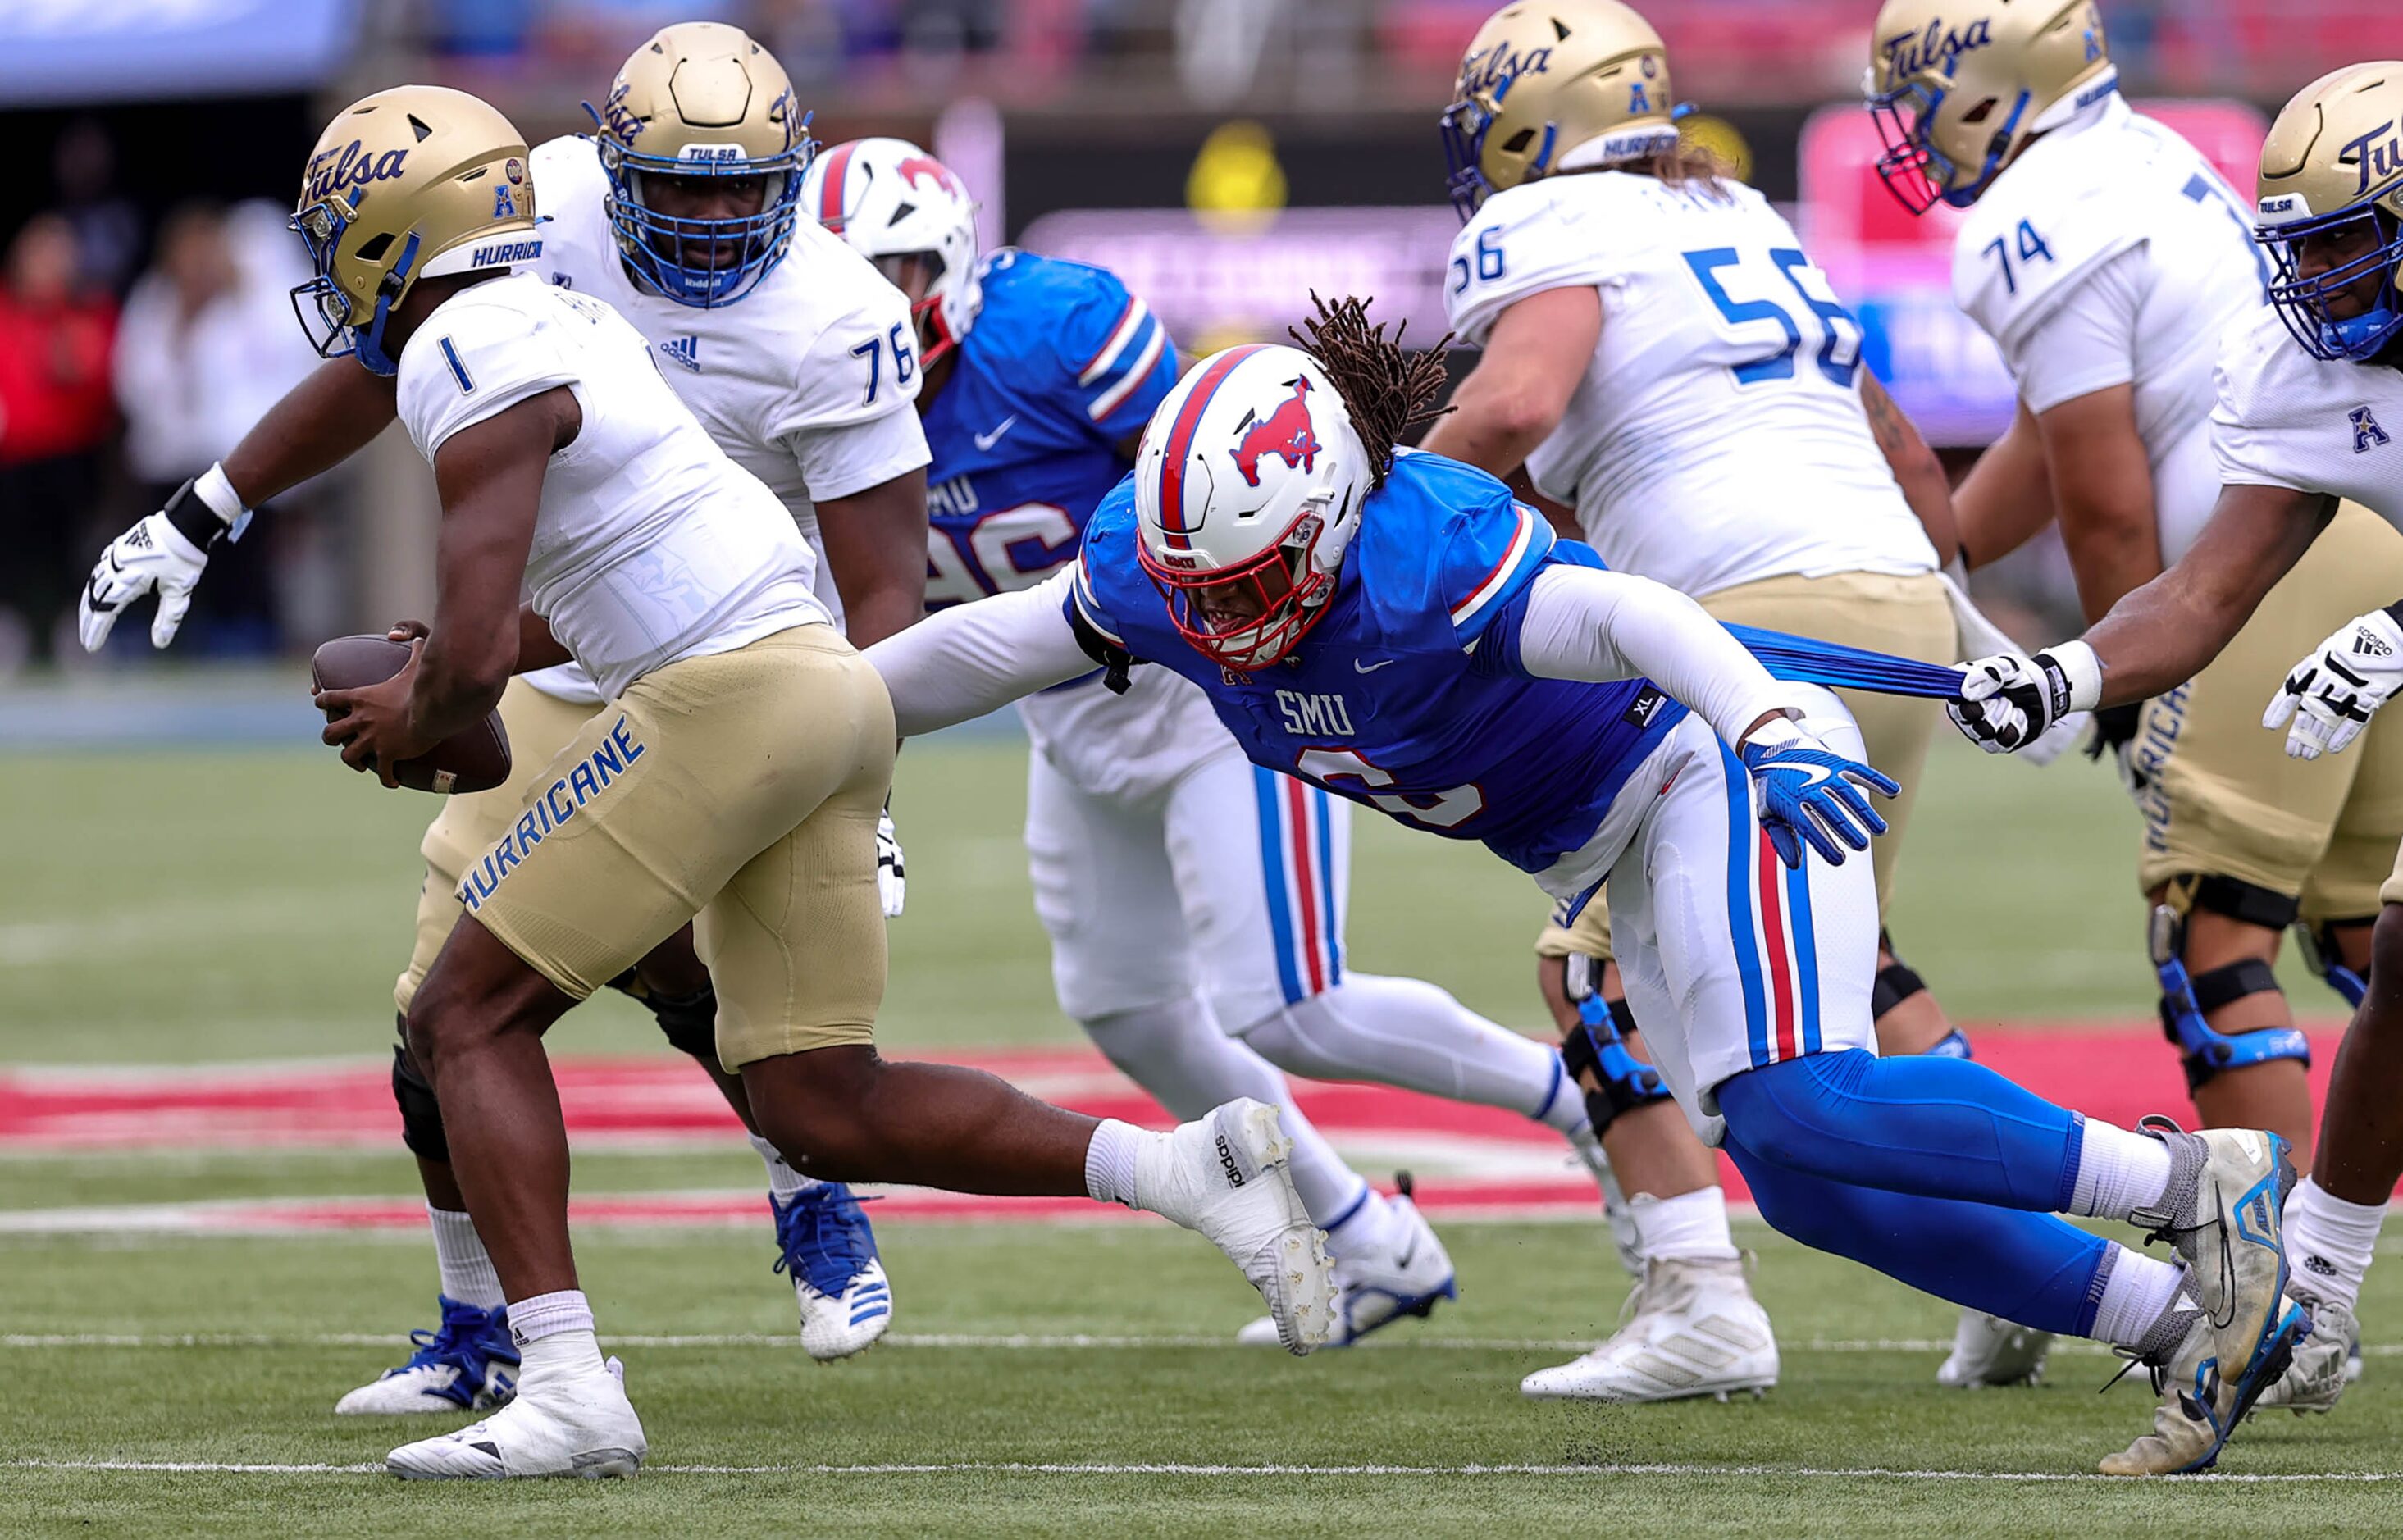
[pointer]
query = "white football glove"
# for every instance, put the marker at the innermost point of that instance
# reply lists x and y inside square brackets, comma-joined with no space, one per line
[892,884]
[2329,696]
[2008,702]
[165,553]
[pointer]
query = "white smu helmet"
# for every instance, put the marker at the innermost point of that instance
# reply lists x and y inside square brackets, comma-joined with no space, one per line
[889,200]
[1247,489]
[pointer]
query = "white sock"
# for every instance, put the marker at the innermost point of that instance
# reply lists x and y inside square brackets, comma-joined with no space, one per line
[1408,1033]
[572,1353]
[1369,1228]
[2138,1290]
[460,1257]
[784,1183]
[2331,1242]
[1693,1225]
[1109,1161]
[2118,1172]
[560,1325]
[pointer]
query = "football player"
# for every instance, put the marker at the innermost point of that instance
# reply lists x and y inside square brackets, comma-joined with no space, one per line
[2307,388]
[1195,902]
[682,214]
[1586,724]
[2106,259]
[1661,358]
[733,780]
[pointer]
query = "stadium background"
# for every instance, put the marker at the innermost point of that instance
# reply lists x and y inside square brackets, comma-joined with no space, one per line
[206,1228]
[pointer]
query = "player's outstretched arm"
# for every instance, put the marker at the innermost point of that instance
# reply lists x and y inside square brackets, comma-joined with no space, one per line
[1533,360]
[962,663]
[319,423]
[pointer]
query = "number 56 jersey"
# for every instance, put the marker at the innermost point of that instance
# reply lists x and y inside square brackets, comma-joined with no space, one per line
[1717,436]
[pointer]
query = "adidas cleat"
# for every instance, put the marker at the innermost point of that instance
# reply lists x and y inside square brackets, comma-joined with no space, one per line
[1988,1351]
[1394,1283]
[2324,1361]
[1690,1328]
[1225,1175]
[467,1364]
[825,1242]
[2222,1213]
[577,1423]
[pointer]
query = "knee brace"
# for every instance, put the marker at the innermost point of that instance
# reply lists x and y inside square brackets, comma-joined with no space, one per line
[421,1115]
[2186,998]
[1896,982]
[1599,1044]
[2326,959]
[688,1021]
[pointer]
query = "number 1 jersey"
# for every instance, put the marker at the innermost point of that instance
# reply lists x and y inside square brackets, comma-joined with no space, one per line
[1717,436]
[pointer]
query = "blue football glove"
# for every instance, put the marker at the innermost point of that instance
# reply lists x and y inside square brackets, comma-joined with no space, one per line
[1805,791]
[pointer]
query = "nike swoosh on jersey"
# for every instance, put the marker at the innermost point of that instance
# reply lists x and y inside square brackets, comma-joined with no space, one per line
[987,440]
[1358,666]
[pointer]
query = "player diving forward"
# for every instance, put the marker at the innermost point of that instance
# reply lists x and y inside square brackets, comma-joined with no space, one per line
[1586,724]
[2307,392]
[1195,902]
[2107,258]
[1661,356]
[733,780]
[797,360]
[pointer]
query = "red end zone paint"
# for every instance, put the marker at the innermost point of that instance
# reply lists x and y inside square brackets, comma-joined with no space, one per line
[1464,1158]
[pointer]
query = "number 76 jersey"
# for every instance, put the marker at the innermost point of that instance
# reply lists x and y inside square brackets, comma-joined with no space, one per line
[1717,436]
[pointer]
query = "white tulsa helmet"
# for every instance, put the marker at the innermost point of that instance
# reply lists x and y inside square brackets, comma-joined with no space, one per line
[891,201]
[1247,488]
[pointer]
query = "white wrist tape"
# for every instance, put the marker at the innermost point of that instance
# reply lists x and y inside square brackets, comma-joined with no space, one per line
[211,487]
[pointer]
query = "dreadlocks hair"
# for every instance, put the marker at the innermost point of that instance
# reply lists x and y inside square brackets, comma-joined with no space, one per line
[1387,391]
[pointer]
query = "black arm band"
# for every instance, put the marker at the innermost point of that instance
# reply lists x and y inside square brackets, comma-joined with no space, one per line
[1115,659]
[194,519]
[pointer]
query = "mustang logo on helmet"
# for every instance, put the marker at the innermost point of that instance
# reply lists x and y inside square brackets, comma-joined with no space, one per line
[1912,52]
[1286,433]
[934,171]
[351,167]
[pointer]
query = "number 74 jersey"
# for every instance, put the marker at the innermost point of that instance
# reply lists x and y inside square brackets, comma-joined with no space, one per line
[1717,436]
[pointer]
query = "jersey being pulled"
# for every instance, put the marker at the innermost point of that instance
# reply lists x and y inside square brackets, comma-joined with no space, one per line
[2285,419]
[1062,365]
[1717,436]
[1408,695]
[808,382]
[2115,183]
[650,544]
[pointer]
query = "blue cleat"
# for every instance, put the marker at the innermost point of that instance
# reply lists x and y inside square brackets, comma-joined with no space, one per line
[828,1248]
[467,1364]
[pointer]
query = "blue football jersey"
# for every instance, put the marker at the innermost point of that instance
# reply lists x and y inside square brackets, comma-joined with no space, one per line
[1061,366]
[1409,694]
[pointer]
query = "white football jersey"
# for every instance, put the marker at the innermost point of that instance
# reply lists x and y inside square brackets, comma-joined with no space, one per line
[1717,437]
[649,544]
[2116,185]
[2285,419]
[810,381]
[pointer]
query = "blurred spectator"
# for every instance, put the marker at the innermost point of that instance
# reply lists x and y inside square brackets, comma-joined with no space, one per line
[108,227]
[54,416]
[206,345]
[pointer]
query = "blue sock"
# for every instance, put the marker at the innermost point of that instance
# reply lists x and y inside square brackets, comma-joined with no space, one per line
[1935,1127]
[2033,1269]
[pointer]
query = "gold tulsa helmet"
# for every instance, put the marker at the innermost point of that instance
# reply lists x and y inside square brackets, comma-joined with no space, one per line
[701,100]
[1958,86]
[406,184]
[2331,186]
[1555,85]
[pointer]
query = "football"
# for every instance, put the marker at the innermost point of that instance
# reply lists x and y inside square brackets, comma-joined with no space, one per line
[474,759]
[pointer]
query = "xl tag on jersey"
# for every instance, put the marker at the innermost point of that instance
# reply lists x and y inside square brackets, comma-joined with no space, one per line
[1645,706]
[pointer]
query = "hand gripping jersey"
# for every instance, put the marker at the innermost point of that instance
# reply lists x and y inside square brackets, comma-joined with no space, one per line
[2110,253]
[1717,436]
[649,544]
[1061,366]
[1408,695]
[810,383]
[2285,419]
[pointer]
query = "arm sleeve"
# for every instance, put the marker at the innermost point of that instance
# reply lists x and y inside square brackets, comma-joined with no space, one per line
[1118,359]
[972,658]
[1582,623]
[2084,342]
[487,359]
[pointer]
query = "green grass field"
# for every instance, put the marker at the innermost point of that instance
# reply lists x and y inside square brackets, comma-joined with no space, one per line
[217,907]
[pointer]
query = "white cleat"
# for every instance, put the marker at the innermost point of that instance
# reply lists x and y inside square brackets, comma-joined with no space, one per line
[1987,1350]
[824,1240]
[1392,1283]
[2324,1361]
[1225,1175]
[467,1364]
[1690,1328]
[577,1425]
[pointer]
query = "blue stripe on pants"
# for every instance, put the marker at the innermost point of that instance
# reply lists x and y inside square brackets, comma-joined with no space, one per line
[1272,808]
[1740,927]
[1806,951]
[1326,888]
